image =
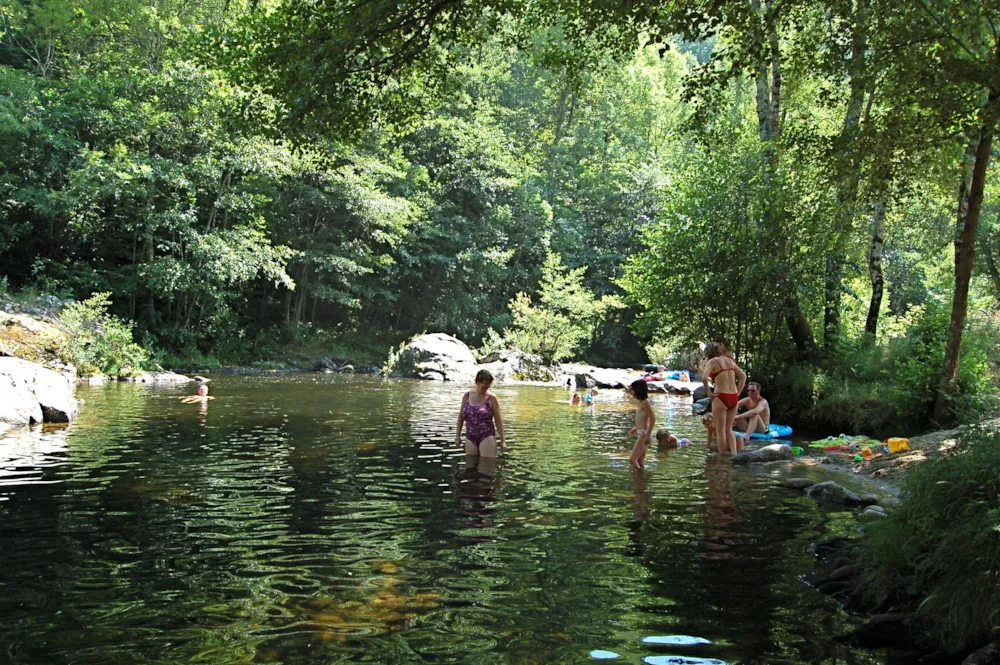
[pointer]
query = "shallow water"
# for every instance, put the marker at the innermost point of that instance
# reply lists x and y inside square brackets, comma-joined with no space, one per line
[324,519]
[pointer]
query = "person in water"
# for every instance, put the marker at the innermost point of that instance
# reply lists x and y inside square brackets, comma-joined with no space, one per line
[665,440]
[709,424]
[576,399]
[202,396]
[728,380]
[644,421]
[757,417]
[479,411]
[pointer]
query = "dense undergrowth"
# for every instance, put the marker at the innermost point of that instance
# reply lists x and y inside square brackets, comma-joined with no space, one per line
[889,389]
[938,554]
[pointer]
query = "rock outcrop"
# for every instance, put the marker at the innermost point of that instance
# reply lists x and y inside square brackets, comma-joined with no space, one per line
[30,393]
[36,341]
[514,365]
[596,377]
[436,357]
[161,378]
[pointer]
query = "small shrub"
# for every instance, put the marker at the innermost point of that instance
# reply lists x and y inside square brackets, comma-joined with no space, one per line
[940,550]
[392,360]
[100,342]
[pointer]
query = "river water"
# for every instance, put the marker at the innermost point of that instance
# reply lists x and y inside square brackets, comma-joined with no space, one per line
[316,519]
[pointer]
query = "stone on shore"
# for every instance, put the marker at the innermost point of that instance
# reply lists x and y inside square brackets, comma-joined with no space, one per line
[869,499]
[437,357]
[872,513]
[30,393]
[888,502]
[834,493]
[161,378]
[772,453]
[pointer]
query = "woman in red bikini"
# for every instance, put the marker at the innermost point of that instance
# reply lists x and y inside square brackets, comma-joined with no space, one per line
[729,380]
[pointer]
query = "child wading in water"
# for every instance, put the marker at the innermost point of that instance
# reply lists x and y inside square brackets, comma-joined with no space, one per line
[644,421]
[479,410]
[709,424]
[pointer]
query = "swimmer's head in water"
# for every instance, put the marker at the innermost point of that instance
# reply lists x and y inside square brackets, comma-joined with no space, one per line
[665,439]
[483,377]
[576,398]
[203,390]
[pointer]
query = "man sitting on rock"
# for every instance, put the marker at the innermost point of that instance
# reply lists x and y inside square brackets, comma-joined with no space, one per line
[757,416]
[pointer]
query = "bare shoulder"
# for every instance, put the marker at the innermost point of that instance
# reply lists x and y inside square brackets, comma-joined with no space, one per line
[492,398]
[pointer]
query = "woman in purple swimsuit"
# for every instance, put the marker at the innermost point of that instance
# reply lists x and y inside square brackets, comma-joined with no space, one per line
[480,409]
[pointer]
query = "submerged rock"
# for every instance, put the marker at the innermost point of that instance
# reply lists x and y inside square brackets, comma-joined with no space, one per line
[869,499]
[831,491]
[799,483]
[702,405]
[436,357]
[771,453]
[31,393]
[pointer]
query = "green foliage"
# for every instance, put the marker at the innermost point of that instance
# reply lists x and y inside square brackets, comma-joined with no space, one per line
[939,552]
[565,315]
[101,343]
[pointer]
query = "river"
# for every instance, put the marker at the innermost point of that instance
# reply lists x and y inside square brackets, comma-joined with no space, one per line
[316,519]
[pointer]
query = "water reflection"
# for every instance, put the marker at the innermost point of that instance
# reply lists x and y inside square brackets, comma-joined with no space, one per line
[315,519]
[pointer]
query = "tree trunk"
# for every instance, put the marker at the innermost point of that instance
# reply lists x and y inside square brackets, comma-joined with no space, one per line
[970,204]
[847,189]
[768,80]
[875,269]
[150,296]
[798,326]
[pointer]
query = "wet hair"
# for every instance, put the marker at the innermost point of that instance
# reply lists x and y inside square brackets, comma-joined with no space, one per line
[712,350]
[707,418]
[754,384]
[662,433]
[640,389]
[484,376]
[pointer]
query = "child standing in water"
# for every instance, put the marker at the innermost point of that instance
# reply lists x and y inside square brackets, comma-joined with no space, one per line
[644,421]
[479,410]
[709,424]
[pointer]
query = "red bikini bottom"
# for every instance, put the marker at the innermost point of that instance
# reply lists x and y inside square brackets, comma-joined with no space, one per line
[729,399]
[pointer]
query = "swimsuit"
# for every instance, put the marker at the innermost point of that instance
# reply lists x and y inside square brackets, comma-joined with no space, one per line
[478,422]
[729,399]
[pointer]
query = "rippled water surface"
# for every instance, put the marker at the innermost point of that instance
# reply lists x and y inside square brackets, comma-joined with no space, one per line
[317,519]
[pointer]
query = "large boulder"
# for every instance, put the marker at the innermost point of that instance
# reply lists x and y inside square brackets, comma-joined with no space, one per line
[596,377]
[702,406]
[162,378]
[772,453]
[31,393]
[515,365]
[437,357]
[699,394]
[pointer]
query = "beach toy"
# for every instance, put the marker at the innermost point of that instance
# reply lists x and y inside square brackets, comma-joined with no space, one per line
[797,451]
[885,450]
[773,432]
[866,452]
[897,444]
[858,458]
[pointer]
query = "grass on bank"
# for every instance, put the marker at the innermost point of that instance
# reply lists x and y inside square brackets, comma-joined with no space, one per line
[940,550]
